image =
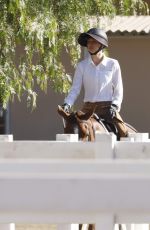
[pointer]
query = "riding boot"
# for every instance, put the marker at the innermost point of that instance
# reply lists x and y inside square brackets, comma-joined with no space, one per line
[122,129]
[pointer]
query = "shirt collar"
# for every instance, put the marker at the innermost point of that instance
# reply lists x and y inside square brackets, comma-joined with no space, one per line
[103,62]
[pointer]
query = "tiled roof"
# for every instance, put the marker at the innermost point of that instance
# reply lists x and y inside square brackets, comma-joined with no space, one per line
[135,25]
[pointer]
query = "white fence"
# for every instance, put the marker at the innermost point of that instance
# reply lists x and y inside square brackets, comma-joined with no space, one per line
[104,182]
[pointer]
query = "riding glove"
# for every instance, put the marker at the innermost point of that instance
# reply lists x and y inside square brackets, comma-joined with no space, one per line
[111,113]
[66,107]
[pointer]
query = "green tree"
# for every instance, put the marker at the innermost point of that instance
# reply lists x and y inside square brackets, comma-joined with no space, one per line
[43,28]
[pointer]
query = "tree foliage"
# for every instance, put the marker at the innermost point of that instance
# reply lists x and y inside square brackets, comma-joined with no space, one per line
[42,29]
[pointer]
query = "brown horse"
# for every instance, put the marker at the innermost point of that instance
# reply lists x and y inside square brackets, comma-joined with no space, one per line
[86,124]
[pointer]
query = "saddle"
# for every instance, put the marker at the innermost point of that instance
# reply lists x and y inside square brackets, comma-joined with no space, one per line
[109,126]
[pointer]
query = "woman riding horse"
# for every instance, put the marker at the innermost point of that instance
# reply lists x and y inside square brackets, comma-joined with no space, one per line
[101,79]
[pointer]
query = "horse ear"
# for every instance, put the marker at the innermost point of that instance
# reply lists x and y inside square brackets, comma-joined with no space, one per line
[84,116]
[62,113]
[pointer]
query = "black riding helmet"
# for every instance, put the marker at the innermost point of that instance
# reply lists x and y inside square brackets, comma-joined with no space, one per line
[98,34]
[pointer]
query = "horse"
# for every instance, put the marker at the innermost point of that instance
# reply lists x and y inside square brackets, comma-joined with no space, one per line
[87,124]
[84,124]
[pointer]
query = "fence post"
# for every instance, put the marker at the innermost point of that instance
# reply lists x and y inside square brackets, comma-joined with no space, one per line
[7,138]
[68,138]
[104,145]
[105,222]
[139,137]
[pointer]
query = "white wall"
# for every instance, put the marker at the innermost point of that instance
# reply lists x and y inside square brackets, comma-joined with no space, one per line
[133,54]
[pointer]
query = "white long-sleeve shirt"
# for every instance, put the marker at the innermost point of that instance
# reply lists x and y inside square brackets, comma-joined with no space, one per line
[102,82]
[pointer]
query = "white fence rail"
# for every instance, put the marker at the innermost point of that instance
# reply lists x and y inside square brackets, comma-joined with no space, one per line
[103,182]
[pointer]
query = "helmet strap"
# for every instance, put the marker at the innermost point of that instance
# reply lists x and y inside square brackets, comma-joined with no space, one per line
[99,49]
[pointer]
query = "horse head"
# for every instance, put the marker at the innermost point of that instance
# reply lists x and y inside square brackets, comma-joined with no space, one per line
[69,120]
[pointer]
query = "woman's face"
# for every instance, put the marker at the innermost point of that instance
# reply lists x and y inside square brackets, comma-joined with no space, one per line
[93,45]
